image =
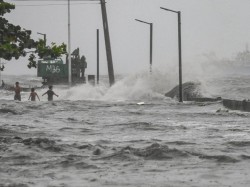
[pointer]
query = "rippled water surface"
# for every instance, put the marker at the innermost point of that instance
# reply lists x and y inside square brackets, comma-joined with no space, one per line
[101,141]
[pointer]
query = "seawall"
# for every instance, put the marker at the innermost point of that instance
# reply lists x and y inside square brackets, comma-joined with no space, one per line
[237,105]
[191,92]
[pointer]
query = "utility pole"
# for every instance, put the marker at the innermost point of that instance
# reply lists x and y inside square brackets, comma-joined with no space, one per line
[107,43]
[97,55]
[69,47]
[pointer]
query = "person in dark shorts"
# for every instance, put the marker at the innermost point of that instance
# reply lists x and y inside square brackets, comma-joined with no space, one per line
[33,95]
[17,90]
[50,93]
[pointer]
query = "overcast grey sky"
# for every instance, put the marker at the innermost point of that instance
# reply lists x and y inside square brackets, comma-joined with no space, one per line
[219,26]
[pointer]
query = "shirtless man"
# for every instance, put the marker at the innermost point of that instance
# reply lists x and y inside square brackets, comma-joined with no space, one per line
[17,92]
[33,95]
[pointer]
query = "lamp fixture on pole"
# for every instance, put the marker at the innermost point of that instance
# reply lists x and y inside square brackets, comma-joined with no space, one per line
[151,43]
[179,47]
[44,38]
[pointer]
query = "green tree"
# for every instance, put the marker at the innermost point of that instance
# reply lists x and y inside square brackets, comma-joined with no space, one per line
[54,51]
[16,42]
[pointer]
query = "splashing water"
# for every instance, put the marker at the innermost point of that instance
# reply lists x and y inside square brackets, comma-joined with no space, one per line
[100,136]
[135,87]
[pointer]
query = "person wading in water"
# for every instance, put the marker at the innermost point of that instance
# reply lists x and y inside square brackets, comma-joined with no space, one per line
[50,93]
[17,92]
[33,95]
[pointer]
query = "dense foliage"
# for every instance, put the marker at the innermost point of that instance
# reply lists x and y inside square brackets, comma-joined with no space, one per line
[16,42]
[43,51]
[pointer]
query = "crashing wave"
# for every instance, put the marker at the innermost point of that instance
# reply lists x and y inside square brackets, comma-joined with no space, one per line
[191,91]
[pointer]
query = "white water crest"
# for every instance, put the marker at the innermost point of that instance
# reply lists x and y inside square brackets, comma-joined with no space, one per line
[141,86]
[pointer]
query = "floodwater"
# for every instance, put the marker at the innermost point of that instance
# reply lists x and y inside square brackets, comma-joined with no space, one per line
[128,135]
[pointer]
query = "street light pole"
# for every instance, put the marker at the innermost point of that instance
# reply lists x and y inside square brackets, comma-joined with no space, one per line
[180,53]
[180,57]
[151,46]
[151,43]
[44,38]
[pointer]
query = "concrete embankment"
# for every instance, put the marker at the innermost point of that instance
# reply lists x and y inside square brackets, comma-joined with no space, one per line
[192,92]
[230,104]
[204,99]
[237,105]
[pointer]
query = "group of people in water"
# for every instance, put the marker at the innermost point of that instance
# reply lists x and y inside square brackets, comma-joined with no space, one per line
[33,94]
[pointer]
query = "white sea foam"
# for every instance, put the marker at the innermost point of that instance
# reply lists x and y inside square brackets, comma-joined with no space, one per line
[133,87]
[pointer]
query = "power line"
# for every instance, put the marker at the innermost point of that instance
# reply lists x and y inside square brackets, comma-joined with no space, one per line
[33,5]
[51,0]
[86,2]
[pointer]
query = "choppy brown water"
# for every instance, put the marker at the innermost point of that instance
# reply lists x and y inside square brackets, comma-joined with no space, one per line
[93,142]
